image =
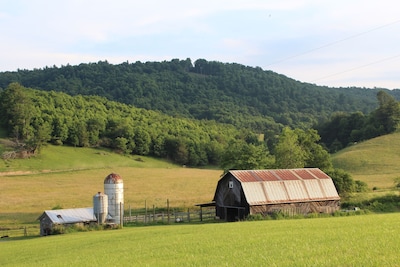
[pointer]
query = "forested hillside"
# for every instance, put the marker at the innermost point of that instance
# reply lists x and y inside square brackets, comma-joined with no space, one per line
[227,115]
[246,97]
[33,117]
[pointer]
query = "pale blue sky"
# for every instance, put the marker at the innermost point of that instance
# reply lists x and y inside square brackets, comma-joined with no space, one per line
[333,43]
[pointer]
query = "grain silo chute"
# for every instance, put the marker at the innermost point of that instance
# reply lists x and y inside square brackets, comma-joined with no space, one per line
[114,189]
[100,207]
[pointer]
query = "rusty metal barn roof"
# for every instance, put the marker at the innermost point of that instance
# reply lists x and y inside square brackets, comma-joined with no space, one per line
[285,186]
[65,216]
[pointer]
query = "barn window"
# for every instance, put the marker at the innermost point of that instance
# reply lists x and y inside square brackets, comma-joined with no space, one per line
[230,184]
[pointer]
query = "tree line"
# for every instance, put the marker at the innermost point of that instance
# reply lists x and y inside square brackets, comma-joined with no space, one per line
[33,118]
[247,97]
[345,129]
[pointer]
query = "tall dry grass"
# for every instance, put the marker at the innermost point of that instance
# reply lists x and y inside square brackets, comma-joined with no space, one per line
[24,197]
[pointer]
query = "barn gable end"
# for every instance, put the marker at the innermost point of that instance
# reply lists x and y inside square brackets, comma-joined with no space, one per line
[294,191]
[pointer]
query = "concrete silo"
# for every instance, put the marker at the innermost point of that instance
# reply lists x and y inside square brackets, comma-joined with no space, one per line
[100,207]
[114,189]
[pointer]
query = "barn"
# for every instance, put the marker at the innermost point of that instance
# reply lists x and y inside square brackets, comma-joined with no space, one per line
[240,193]
[66,217]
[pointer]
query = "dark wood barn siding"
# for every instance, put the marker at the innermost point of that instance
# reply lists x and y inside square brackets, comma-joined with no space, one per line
[297,208]
[230,201]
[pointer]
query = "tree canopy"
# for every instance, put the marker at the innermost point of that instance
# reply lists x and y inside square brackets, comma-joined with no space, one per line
[33,117]
[247,97]
[348,128]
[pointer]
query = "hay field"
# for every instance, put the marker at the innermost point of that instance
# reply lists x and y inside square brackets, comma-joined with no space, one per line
[32,194]
[69,178]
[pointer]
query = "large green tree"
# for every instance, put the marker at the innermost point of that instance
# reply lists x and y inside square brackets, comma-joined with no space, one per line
[300,148]
[288,152]
[388,112]
[239,155]
[315,154]
[17,111]
[344,183]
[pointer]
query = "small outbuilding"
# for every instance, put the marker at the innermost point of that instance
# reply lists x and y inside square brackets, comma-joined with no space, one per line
[241,193]
[66,217]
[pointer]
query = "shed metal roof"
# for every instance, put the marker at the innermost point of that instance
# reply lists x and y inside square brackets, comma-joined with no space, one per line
[65,216]
[285,186]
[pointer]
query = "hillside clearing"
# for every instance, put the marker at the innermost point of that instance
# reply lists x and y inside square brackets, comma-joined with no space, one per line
[374,161]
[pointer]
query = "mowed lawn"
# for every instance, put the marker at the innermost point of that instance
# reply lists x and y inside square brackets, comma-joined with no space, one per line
[367,240]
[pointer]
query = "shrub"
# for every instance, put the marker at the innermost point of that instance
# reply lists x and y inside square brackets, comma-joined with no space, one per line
[313,215]
[388,203]
[58,229]
[255,217]
[361,186]
[279,215]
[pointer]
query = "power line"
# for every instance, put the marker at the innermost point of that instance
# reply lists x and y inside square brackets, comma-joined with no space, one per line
[359,67]
[332,43]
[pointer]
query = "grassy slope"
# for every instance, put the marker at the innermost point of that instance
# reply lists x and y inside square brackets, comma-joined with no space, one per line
[368,240]
[63,158]
[69,177]
[374,161]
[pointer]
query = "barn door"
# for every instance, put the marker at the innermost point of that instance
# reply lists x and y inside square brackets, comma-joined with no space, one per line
[232,214]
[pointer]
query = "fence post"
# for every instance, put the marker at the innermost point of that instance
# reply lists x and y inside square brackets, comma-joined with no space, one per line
[168,211]
[154,213]
[121,216]
[188,215]
[145,211]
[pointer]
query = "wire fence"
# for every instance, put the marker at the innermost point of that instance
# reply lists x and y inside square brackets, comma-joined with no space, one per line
[143,215]
[19,232]
[166,217]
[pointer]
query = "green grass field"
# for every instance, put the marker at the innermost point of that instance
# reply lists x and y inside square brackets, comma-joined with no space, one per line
[368,240]
[375,161]
[69,177]
[63,158]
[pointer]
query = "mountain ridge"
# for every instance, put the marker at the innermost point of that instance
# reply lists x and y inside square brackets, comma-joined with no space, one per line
[244,96]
